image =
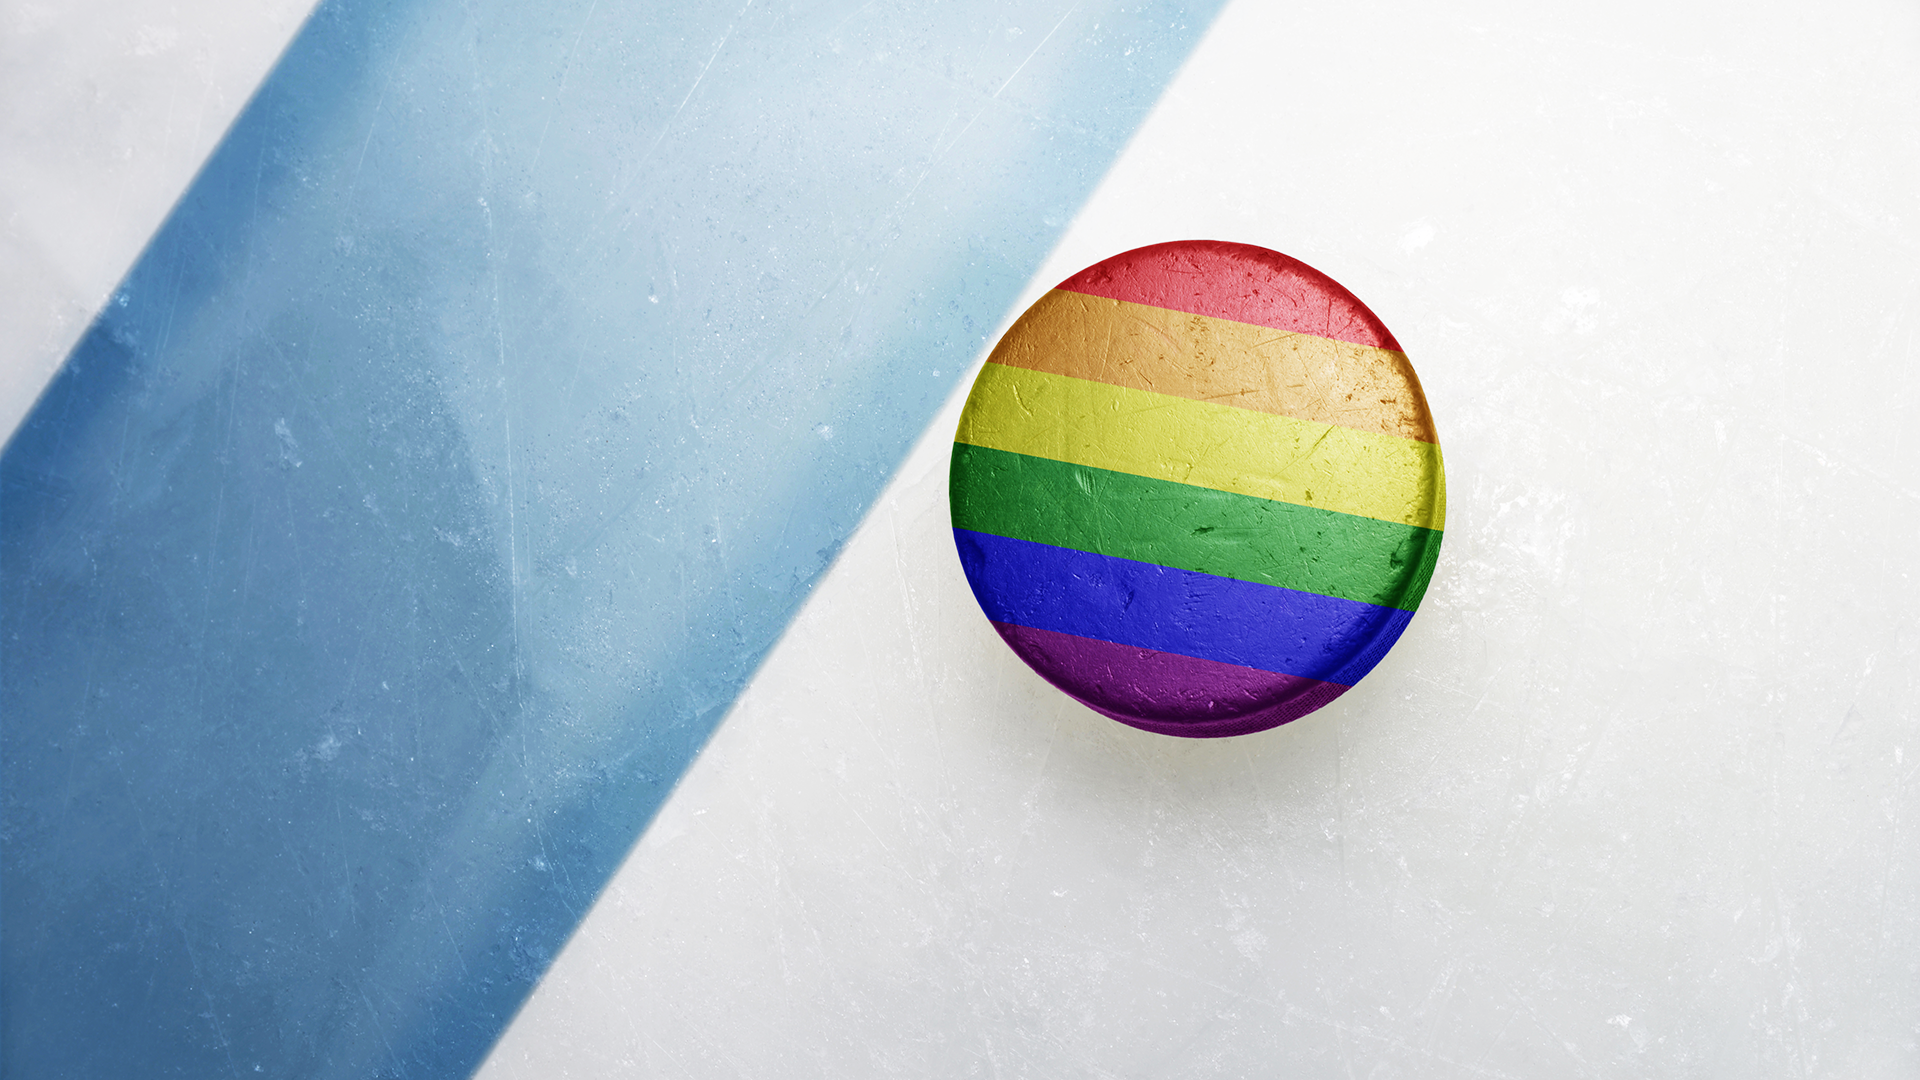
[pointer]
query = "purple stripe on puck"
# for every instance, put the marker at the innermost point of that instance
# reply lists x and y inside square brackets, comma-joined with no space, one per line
[1165,692]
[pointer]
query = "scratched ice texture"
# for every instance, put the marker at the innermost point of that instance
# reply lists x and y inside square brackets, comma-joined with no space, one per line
[111,107]
[1636,794]
[426,493]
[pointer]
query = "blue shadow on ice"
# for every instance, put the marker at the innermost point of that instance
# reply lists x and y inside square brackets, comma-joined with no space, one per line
[403,527]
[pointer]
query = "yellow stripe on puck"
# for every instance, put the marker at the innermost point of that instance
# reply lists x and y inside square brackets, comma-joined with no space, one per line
[1223,447]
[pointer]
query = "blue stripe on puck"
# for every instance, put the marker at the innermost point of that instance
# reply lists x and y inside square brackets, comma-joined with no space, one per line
[1177,611]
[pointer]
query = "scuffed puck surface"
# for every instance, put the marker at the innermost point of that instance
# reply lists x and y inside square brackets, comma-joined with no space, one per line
[1197,488]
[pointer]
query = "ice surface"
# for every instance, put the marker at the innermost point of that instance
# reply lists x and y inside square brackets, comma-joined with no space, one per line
[428,490]
[1634,797]
[110,106]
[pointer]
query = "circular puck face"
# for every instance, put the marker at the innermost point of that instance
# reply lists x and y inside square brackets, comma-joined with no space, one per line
[1197,488]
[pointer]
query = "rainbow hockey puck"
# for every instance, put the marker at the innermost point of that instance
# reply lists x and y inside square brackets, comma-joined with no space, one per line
[1197,488]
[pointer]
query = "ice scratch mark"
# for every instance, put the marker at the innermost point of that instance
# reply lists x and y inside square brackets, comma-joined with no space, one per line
[718,45]
[566,69]
[495,258]
[353,184]
[1037,48]
[382,1029]
[941,151]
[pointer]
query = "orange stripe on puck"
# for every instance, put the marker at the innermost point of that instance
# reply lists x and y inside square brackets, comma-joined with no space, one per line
[1217,360]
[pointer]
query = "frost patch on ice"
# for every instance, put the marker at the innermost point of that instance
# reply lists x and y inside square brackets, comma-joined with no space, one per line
[289,446]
